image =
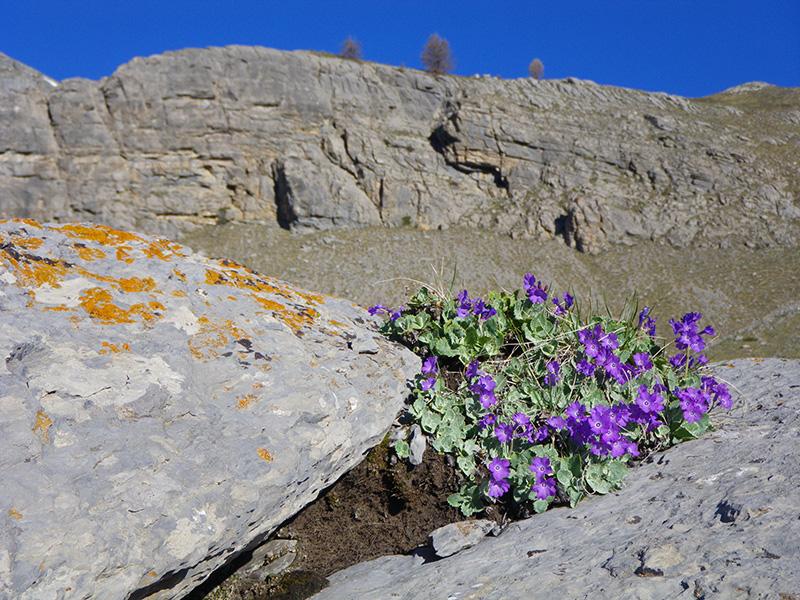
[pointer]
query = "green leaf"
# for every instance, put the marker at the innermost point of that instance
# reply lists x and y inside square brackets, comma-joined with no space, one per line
[466,464]
[430,420]
[540,505]
[402,449]
[595,477]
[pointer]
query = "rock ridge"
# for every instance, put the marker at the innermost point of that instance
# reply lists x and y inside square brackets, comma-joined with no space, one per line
[249,134]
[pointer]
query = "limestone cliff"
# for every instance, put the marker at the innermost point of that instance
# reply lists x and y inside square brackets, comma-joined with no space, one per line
[311,141]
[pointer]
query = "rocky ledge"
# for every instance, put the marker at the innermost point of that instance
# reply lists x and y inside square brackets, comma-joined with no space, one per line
[718,517]
[248,134]
[162,412]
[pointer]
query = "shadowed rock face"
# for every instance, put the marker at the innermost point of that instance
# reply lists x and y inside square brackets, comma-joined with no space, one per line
[250,134]
[162,412]
[711,518]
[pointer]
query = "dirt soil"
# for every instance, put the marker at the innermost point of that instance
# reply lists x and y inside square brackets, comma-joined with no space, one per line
[381,507]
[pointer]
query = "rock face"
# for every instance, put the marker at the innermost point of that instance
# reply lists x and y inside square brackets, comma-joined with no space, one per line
[711,518]
[250,134]
[162,412]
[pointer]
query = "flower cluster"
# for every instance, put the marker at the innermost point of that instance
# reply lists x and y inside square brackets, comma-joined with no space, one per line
[697,401]
[544,485]
[552,405]
[498,477]
[689,340]
[647,322]
[472,306]
[561,310]
[430,369]
[381,309]
[535,291]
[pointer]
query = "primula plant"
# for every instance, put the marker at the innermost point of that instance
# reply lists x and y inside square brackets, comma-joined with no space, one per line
[540,405]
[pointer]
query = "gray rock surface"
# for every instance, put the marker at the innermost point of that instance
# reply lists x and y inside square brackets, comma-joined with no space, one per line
[270,559]
[162,412]
[249,134]
[455,537]
[718,517]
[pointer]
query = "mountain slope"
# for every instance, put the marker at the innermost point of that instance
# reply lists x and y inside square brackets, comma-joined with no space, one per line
[251,134]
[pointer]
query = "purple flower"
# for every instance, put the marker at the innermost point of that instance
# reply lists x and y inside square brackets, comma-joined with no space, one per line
[482,311]
[568,302]
[377,309]
[486,420]
[464,304]
[535,291]
[553,373]
[394,315]
[621,414]
[600,419]
[498,487]
[472,370]
[719,391]
[541,468]
[503,432]
[576,410]
[557,423]
[686,334]
[646,322]
[521,420]
[487,400]
[649,402]
[643,361]
[484,388]
[609,341]
[585,368]
[546,488]
[695,402]
[430,366]
[499,468]
[427,384]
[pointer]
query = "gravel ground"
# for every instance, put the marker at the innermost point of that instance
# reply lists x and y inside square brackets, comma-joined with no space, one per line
[751,296]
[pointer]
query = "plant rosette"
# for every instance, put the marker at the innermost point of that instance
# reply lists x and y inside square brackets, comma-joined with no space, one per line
[539,405]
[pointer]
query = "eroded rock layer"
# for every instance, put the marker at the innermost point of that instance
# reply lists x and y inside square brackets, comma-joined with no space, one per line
[313,142]
[162,412]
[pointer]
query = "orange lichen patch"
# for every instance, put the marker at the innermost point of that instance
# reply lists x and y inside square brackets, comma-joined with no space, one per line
[264,454]
[152,574]
[108,347]
[34,271]
[179,293]
[14,514]
[88,254]
[101,234]
[163,249]
[212,337]
[269,304]
[42,426]
[122,254]
[296,316]
[98,304]
[136,284]
[30,222]
[337,323]
[179,274]
[234,298]
[58,308]
[29,243]
[245,401]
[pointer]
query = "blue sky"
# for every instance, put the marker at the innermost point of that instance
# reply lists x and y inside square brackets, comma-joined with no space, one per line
[688,47]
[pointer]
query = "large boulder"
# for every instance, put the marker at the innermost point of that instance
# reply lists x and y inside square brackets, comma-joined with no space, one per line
[161,412]
[718,517]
